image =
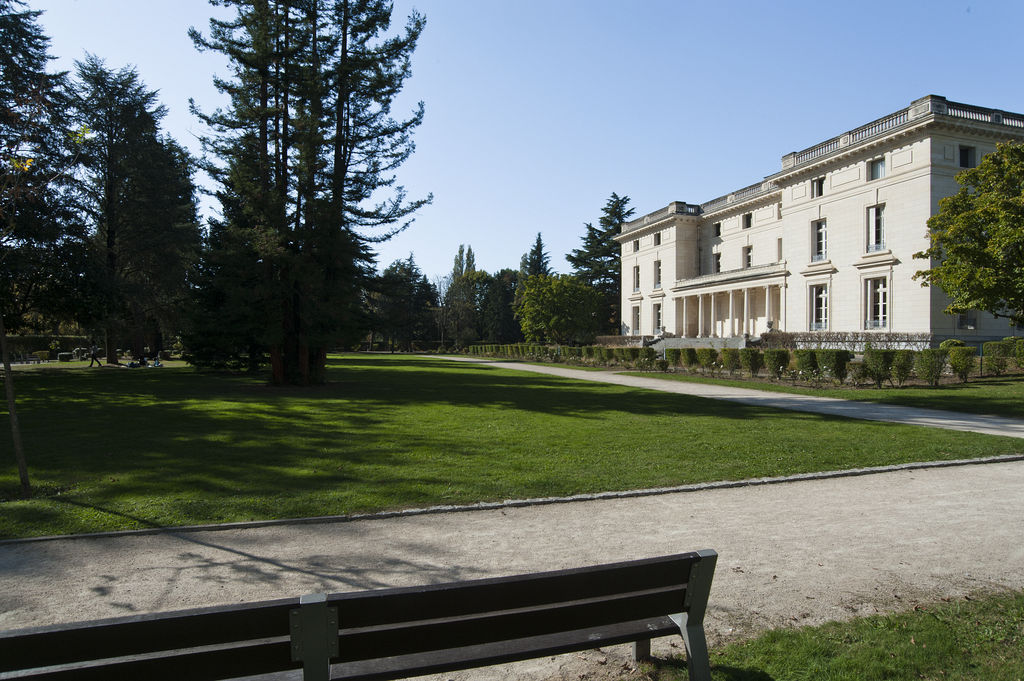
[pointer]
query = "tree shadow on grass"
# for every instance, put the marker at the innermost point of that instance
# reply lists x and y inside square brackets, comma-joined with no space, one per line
[677,665]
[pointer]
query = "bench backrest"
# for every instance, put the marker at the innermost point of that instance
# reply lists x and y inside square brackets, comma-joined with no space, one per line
[419,630]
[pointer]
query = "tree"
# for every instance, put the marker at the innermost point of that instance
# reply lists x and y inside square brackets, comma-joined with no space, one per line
[136,192]
[308,149]
[404,301]
[977,238]
[33,159]
[558,309]
[536,260]
[497,313]
[597,261]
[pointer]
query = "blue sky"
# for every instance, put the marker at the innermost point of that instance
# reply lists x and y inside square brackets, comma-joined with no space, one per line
[536,111]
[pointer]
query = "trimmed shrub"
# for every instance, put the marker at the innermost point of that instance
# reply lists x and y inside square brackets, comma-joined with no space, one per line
[607,355]
[588,352]
[951,343]
[647,354]
[751,360]
[706,357]
[929,364]
[805,361]
[689,357]
[996,356]
[1018,352]
[661,364]
[878,364]
[65,356]
[902,366]
[835,362]
[776,361]
[731,359]
[673,356]
[962,361]
[43,355]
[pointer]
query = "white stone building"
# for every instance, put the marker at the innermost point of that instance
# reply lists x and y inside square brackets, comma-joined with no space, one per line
[826,244]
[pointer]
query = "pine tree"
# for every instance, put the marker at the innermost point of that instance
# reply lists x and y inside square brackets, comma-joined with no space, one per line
[536,260]
[597,262]
[308,144]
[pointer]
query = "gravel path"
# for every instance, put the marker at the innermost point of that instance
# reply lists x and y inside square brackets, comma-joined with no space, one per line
[792,553]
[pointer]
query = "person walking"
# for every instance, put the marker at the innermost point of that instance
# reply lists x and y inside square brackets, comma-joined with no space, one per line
[94,356]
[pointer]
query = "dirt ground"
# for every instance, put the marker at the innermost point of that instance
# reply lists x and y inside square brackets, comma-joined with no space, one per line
[790,554]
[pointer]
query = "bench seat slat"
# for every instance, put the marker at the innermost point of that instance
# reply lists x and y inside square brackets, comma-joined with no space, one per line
[477,628]
[514,650]
[140,634]
[369,608]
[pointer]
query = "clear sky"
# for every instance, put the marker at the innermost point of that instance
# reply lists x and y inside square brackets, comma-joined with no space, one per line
[537,110]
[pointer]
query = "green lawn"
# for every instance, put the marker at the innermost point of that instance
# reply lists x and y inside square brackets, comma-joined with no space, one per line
[118,449]
[999,396]
[967,640]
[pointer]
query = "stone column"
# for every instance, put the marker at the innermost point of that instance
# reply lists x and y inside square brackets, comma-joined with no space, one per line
[746,310]
[714,316]
[684,328]
[700,315]
[767,305]
[732,312]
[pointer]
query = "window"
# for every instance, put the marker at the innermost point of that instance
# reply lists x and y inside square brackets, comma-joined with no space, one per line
[748,220]
[967,319]
[819,307]
[967,157]
[718,262]
[876,228]
[877,299]
[817,187]
[636,320]
[657,239]
[657,317]
[657,274]
[718,229]
[819,239]
[778,249]
[636,245]
[876,169]
[636,277]
[748,256]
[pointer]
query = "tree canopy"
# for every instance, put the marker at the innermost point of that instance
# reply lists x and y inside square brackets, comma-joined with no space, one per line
[558,309]
[596,261]
[536,260]
[977,238]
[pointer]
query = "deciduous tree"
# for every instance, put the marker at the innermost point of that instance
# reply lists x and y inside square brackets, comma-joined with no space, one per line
[977,238]
[558,309]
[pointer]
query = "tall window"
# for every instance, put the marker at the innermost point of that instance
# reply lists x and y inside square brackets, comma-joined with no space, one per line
[876,296]
[748,220]
[657,274]
[819,238]
[876,228]
[657,317]
[636,245]
[718,229]
[718,262]
[967,319]
[876,169]
[636,320]
[748,256]
[819,307]
[636,277]
[817,187]
[778,249]
[968,157]
[657,239]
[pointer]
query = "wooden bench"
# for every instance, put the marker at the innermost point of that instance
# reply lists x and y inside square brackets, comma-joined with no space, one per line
[387,633]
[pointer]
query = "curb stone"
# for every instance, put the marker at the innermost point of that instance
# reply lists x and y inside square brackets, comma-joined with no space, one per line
[521,503]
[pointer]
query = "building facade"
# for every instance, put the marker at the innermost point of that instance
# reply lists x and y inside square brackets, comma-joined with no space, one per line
[826,244]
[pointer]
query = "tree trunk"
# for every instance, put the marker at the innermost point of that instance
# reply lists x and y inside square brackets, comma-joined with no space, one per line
[19,452]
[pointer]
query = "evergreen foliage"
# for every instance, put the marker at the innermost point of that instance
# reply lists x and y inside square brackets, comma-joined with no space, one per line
[752,360]
[536,261]
[558,309]
[596,261]
[307,151]
[962,361]
[929,364]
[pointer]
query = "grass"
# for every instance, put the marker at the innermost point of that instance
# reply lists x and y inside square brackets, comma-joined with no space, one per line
[991,395]
[979,640]
[119,449]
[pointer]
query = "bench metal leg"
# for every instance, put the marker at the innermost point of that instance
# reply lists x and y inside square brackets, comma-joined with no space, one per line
[314,633]
[642,650]
[691,620]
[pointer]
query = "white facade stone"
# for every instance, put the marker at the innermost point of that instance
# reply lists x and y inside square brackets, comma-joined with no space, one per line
[826,244]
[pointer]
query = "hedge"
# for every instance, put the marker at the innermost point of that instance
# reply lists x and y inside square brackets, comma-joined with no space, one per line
[835,362]
[751,360]
[730,359]
[995,356]
[902,367]
[962,361]
[929,364]
[776,361]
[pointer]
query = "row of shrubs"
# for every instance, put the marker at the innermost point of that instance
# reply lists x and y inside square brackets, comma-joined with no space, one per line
[599,355]
[877,366]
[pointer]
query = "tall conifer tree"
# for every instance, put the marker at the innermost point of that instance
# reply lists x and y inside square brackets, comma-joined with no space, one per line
[307,146]
[596,262]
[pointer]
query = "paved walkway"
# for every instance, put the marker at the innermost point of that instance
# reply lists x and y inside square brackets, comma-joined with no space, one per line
[934,418]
